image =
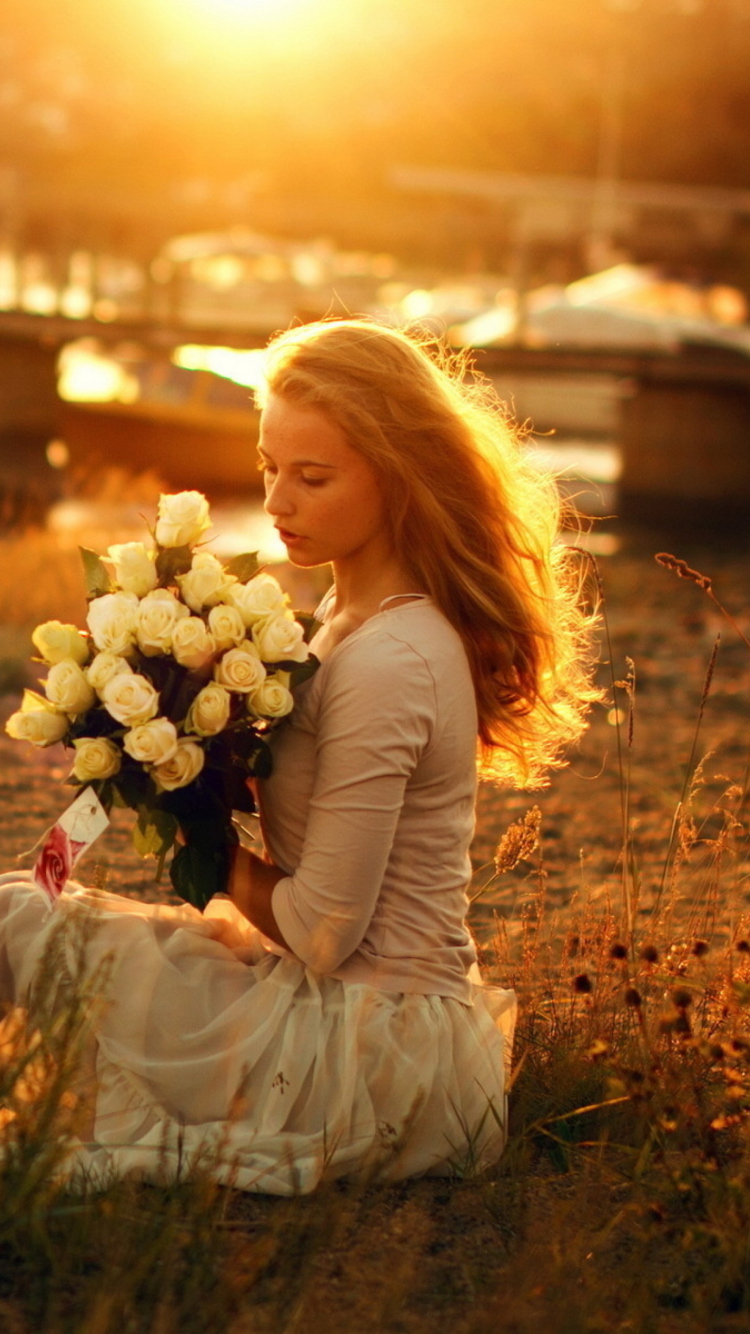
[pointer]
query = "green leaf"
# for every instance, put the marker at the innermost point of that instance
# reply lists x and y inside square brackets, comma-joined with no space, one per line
[261,763]
[200,869]
[244,567]
[134,787]
[154,833]
[117,798]
[308,623]
[303,671]
[96,722]
[172,561]
[96,574]
[105,792]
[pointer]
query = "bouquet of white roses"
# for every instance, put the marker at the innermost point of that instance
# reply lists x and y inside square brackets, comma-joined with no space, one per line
[167,699]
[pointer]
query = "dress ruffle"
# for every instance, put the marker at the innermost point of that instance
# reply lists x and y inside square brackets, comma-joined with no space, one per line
[208,1047]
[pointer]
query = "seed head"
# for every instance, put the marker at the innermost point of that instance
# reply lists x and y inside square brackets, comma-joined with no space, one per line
[650,954]
[633,997]
[583,984]
[700,948]
[681,998]
[743,946]
[519,841]
[683,570]
[618,951]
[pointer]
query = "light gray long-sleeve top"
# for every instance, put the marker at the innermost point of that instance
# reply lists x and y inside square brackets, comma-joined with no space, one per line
[370,808]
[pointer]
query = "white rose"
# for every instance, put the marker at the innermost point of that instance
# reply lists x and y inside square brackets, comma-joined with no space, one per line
[192,645]
[67,688]
[258,598]
[55,641]
[135,569]
[103,668]
[240,668]
[96,757]
[36,721]
[209,712]
[226,626]
[280,639]
[182,768]
[206,582]
[271,700]
[131,699]
[111,620]
[154,742]
[157,615]
[181,519]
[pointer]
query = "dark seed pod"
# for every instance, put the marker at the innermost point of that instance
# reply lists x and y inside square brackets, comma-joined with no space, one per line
[583,984]
[633,997]
[618,951]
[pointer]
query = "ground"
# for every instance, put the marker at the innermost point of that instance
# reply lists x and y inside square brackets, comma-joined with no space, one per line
[431,1255]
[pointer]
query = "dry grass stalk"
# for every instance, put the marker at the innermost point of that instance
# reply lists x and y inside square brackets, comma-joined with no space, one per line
[702,581]
[519,842]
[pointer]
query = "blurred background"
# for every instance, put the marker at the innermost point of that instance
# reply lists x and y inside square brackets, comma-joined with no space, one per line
[561,185]
[564,188]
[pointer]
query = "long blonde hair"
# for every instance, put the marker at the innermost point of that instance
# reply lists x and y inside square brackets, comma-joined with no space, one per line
[473,523]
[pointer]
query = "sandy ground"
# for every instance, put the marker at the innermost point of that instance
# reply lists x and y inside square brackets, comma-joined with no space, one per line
[668,629]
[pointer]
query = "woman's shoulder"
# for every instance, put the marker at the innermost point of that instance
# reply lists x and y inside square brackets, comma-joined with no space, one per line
[420,626]
[413,638]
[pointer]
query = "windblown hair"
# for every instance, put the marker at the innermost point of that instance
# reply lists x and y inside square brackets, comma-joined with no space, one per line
[473,522]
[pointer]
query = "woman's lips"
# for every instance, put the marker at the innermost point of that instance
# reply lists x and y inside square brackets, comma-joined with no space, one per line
[287,537]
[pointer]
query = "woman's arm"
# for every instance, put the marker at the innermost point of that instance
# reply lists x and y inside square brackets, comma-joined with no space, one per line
[374,724]
[251,884]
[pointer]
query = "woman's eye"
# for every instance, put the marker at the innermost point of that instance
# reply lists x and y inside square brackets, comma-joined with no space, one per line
[313,481]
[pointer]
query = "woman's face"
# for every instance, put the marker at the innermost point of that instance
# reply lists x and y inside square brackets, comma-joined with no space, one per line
[323,496]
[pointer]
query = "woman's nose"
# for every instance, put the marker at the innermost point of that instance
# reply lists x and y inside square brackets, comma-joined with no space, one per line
[278,500]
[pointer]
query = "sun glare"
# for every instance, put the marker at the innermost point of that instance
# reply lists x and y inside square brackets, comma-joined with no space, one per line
[248,11]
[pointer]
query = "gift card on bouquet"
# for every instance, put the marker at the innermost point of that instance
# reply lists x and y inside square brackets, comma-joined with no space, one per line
[67,840]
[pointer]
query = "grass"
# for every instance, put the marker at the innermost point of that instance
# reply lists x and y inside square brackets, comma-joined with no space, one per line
[622,1201]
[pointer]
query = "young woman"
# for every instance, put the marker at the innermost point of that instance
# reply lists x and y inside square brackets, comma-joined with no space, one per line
[327,1017]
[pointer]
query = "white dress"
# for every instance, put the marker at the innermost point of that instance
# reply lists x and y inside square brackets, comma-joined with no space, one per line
[372,1049]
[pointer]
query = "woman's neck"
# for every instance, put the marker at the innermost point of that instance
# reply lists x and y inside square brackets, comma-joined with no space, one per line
[360,592]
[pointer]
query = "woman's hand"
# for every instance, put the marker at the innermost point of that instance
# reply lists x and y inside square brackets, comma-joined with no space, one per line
[251,885]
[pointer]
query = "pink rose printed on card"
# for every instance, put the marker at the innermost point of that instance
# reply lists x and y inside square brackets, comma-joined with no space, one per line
[75,831]
[55,862]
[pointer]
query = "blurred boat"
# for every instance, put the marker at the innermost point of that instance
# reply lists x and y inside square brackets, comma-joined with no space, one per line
[193,428]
